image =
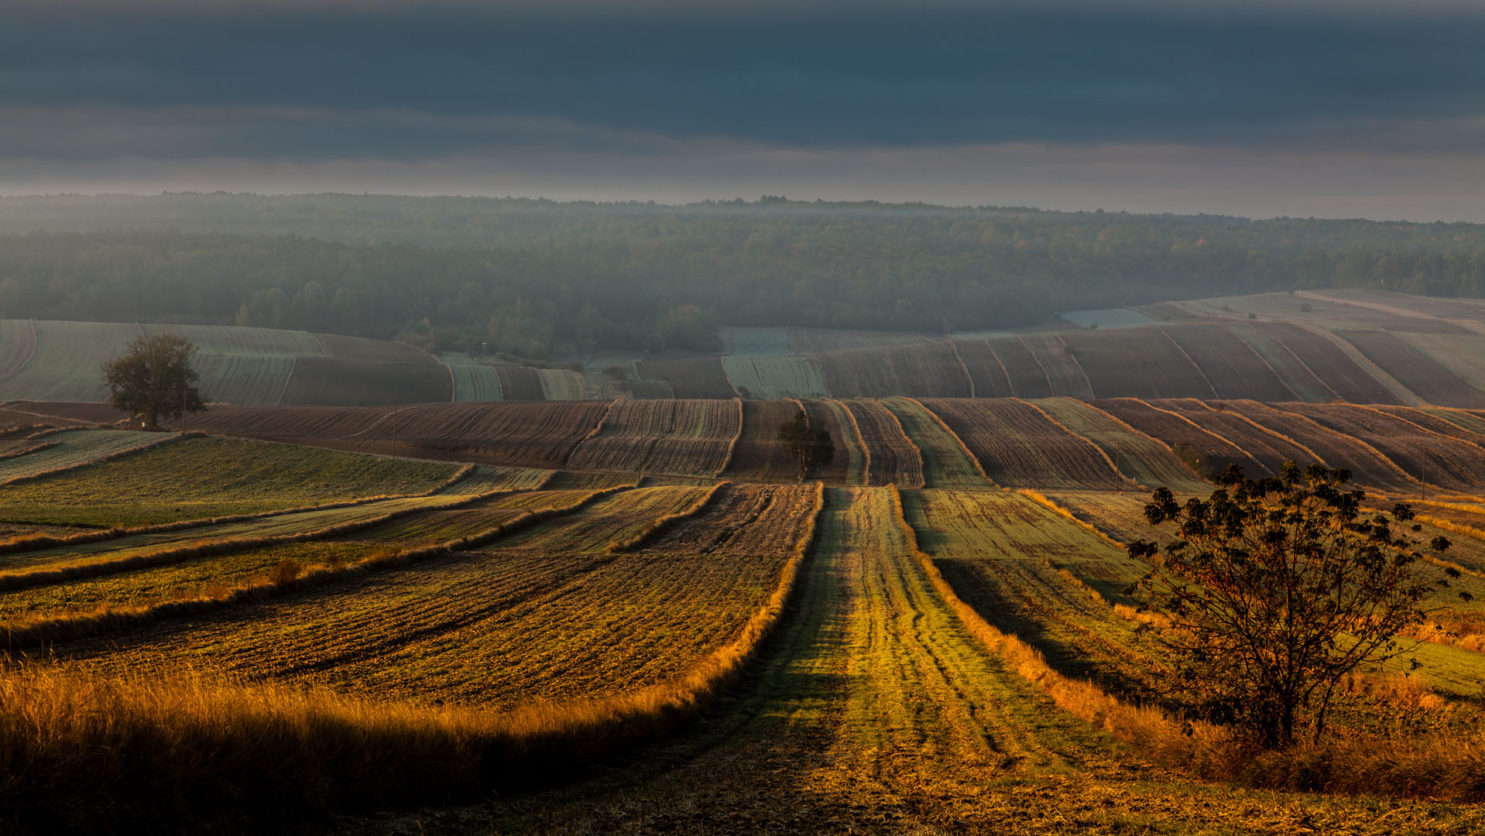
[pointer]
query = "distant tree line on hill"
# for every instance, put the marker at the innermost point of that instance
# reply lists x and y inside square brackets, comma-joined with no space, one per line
[536,278]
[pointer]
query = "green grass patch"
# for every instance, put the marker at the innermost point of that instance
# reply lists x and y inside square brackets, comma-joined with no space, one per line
[208,477]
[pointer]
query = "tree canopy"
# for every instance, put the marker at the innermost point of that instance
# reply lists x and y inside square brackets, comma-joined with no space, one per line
[154,379]
[1275,589]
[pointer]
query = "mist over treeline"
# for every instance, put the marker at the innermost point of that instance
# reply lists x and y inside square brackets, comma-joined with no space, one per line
[539,278]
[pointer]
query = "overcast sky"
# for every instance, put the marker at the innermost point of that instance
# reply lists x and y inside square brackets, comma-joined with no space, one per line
[1326,108]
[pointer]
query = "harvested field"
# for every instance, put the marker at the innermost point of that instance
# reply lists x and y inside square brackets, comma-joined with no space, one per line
[985,369]
[1267,447]
[926,369]
[781,376]
[1426,456]
[1234,369]
[1290,369]
[1325,359]
[893,459]
[1472,422]
[745,520]
[198,478]
[1120,516]
[1018,446]
[518,383]
[1207,453]
[1065,377]
[1140,457]
[1162,370]
[1461,354]
[1023,372]
[759,455]
[1414,369]
[615,518]
[1429,420]
[1338,450]
[506,625]
[858,455]
[947,462]
[473,381]
[692,437]
[699,377]
[832,417]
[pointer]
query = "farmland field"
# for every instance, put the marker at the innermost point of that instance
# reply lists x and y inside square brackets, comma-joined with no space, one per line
[631,614]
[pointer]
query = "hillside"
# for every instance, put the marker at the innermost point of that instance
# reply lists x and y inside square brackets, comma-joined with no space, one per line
[1317,347]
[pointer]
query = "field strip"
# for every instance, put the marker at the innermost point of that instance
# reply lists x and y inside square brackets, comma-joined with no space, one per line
[1082,438]
[1314,457]
[44,629]
[858,454]
[1189,359]
[958,358]
[1379,374]
[947,461]
[92,447]
[1203,430]
[665,523]
[732,445]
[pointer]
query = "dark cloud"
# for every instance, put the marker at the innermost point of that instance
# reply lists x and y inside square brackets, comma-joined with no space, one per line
[346,80]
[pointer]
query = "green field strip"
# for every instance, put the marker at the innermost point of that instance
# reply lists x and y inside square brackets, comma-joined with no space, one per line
[775,377]
[73,449]
[560,384]
[473,381]
[1135,454]
[66,364]
[17,345]
[946,462]
[201,478]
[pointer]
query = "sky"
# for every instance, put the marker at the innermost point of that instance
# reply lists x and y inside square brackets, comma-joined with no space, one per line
[1328,108]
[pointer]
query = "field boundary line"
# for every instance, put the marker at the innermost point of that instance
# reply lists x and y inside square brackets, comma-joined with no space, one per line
[1302,364]
[1180,349]
[1266,364]
[1390,383]
[663,524]
[934,416]
[1073,355]
[30,354]
[1319,427]
[44,630]
[860,439]
[1133,430]
[736,437]
[1270,432]
[1426,430]
[1038,361]
[969,378]
[1009,387]
[1199,428]
[1113,468]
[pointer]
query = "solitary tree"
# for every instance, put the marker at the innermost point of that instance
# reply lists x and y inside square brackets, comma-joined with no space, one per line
[1274,590]
[806,442]
[154,379]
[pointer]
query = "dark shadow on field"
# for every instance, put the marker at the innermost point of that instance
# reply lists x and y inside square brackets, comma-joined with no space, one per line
[997,606]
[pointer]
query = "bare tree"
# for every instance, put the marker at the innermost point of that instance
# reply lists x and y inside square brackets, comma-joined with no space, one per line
[1277,588]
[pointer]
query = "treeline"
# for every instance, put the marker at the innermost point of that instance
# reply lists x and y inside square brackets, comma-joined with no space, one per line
[537,278]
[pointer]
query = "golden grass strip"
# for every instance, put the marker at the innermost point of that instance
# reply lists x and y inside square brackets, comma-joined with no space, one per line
[1204,751]
[665,523]
[177,755]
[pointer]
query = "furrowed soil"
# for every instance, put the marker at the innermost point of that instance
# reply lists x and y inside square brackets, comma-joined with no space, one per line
[874,711]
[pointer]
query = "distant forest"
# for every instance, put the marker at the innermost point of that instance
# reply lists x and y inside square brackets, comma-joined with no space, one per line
[539,279]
